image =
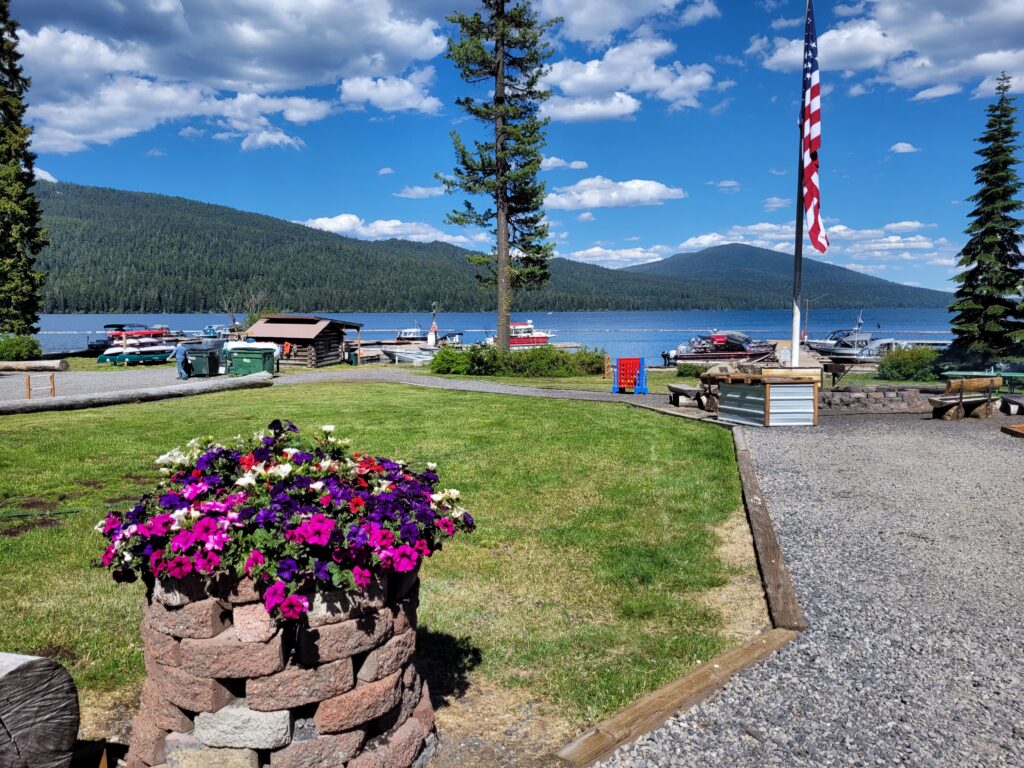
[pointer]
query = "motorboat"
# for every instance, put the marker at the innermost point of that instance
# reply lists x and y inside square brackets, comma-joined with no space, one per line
[524,335]
[851,337]
[727,345]
[854,352]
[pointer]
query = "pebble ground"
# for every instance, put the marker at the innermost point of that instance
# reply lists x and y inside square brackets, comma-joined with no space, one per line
[905,539]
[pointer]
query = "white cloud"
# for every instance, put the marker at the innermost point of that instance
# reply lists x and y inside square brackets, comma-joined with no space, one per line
[698,11]
[726,185]
[272,137]
[155,152]
[903,148]
[385,171]
[420,193]
[853,9]
[928,46]
[859,89]
[777,172]
[552,162]
[382,229]
[787,23]
[905,226]
[936,92]
[867,268]
[623,71]
[585,216]
[777,203]
[618,105]
[42,175]
[191,132]
[599,192]
[594,21]
[942,261]
[620,257]
[393,94]
[102,71]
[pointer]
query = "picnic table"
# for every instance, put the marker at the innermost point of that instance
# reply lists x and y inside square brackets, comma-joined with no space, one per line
[1012,378]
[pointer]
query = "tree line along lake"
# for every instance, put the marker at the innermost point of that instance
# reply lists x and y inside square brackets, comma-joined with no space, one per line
[621,334]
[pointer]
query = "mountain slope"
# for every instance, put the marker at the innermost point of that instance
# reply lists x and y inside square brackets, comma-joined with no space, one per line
[749,269]
[116,251]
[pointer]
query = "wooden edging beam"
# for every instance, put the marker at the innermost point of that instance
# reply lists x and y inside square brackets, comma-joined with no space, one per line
[650,711]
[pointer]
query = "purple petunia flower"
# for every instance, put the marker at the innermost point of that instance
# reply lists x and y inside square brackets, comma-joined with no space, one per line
[265,517]
[287,568]
[320,571]
[172,501]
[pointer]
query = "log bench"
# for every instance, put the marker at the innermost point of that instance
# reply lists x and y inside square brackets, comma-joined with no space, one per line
[1012,404]
[676,392]
[966,397]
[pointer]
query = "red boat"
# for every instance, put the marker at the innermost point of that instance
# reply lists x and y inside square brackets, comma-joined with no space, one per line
[522,335]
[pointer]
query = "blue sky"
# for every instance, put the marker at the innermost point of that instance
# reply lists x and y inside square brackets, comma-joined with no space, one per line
[674,121]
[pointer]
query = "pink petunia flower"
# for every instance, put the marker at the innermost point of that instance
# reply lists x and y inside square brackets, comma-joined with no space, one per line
[255,559]
[381,538]
[182,540]
[108,556]
[361,576]
[294,606]
[179,567]
[274,596]
[422,548]
[192,490]
[404,559]
[156,562]
[207,562]
[446,524]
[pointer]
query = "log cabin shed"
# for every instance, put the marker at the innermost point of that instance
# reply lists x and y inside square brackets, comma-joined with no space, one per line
[309,341]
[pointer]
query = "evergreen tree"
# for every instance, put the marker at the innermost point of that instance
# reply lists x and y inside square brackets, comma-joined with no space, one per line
[989,322]
[503,48]
[21,237]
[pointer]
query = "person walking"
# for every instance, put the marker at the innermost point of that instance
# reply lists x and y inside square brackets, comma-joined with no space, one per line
[181,357]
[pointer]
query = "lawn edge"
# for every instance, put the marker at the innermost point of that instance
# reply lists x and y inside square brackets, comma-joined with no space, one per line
[654,709]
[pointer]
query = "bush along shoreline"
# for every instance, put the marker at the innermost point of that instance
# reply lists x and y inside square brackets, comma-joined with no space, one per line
[539,362]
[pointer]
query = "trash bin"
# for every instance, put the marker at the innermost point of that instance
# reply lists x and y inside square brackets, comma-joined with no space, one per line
[353,357]
[205,362]
[243,362]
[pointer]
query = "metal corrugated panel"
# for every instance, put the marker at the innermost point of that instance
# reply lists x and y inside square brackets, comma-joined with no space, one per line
[791,405]
[741,404]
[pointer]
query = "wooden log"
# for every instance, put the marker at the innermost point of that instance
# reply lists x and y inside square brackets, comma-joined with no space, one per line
[38,713]
[955,386]
[33,365]
[78,402]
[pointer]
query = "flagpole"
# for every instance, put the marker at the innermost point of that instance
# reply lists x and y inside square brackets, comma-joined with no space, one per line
[798,245]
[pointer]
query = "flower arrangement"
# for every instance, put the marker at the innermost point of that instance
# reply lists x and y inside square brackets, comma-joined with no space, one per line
[297,517]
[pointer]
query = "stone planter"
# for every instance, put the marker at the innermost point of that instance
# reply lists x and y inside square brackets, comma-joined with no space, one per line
[227,687]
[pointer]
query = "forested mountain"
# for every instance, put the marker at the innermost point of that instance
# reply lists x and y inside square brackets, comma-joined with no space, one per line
[116,251]
[747,269]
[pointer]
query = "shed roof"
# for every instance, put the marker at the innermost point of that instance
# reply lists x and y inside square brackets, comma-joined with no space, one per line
[296,326]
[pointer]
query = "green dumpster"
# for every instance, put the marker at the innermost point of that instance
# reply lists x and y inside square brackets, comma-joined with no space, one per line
[205,362]
[353,358]
[243,362]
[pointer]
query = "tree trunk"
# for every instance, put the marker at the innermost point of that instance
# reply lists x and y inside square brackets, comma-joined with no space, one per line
[38,713]
[500,199]
[34,365]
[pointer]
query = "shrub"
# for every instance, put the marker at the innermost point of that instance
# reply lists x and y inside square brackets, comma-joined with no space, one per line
[909,365]
[539,362]
[19,348]
[690,370]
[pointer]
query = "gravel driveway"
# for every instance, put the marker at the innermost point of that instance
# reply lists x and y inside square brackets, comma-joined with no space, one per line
[905,539]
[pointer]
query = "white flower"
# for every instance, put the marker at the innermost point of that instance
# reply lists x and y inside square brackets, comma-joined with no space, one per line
[317,486]
[431,466]
[246,480]
[328,428]
[457,513]
[289,452]
[437,497]
[281,470]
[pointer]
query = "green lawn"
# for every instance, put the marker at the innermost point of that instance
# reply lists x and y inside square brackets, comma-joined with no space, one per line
[89,365]
[583,584]
[657,381]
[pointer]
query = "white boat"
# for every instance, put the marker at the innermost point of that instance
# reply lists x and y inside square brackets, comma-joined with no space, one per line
[410,355]
[523,336]
[850,337]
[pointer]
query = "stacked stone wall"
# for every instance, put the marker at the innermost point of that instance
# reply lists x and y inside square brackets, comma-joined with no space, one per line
[876,400]
[228,687]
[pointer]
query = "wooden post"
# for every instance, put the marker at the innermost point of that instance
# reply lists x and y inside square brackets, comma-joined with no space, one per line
[28,387]
[53,386]
[359,346]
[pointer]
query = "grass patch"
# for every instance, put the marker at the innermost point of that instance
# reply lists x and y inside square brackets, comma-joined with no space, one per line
[657,381]
[89,365]
[583,585]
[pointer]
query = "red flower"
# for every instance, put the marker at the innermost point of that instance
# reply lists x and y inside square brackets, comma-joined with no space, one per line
[355,504]
[247,462]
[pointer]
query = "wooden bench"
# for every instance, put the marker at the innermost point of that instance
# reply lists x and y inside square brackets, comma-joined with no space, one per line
[966,397]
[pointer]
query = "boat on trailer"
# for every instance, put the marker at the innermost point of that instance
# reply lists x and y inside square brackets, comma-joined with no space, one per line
[727,345]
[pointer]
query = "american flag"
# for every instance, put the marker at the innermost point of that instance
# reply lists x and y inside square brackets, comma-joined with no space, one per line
[810,126]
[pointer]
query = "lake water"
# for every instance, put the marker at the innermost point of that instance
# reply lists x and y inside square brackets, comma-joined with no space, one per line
[621,334]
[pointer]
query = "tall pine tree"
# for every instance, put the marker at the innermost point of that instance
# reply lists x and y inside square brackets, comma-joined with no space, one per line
[21,236]
[989,322]
[503,48]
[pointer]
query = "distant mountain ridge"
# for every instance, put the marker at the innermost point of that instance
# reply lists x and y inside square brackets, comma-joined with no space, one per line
[117,251]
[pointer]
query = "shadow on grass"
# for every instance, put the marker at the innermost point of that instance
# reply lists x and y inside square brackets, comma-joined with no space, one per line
[445,662]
